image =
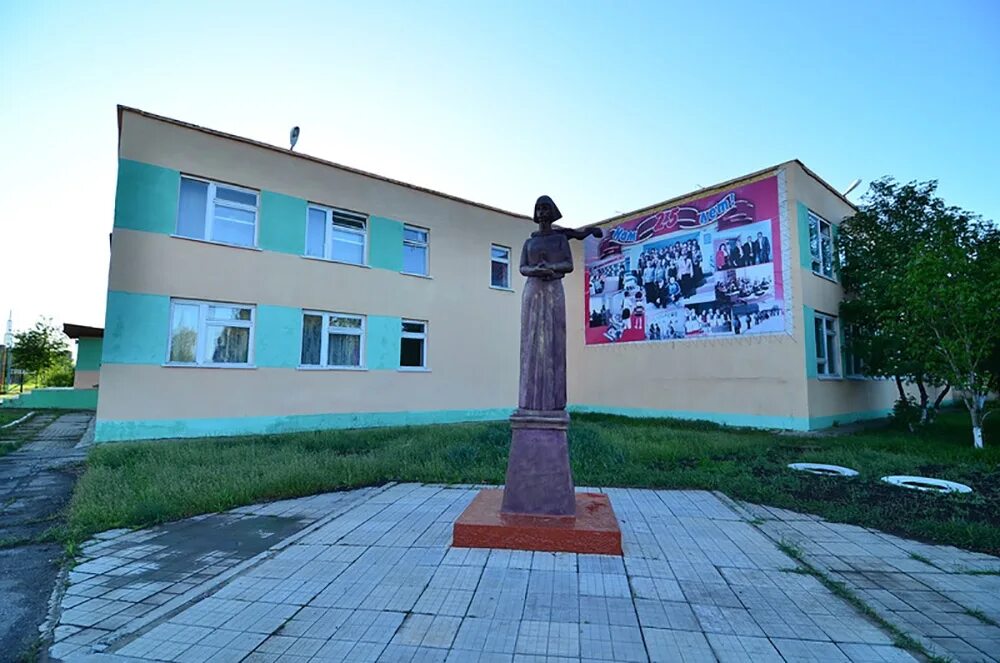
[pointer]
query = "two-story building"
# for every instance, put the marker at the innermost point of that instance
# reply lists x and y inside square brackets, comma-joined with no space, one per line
[253,289]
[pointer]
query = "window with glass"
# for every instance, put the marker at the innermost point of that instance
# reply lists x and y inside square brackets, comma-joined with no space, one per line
[413,345]
[210,333]
[217,212]
[853,365]
[333,340]
[499,266]
[821,245]
[415,250]
[336,234]
[826,345]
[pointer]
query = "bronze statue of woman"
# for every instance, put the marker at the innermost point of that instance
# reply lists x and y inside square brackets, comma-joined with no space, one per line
[545,259]
[539,479]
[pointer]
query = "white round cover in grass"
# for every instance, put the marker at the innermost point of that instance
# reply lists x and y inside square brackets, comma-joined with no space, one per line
[824,470]
[927,483]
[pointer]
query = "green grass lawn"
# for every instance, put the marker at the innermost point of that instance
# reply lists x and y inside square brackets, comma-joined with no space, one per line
[139,484]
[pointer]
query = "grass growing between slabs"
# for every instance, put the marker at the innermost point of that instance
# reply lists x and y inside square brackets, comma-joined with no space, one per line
[841,590]
[12,436]
[7,415]
[144,483]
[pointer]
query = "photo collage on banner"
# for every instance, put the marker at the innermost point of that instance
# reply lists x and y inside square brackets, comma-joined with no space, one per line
[708,268]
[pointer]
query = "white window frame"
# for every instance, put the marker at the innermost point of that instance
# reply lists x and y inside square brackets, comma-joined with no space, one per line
[426,244]
[202,336]
[503,261]
[831,347]
[325,341]
[421,335]
[817,264]
[331,215]
[211,201]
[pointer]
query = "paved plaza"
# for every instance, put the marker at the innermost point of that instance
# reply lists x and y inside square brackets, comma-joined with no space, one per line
[368,575]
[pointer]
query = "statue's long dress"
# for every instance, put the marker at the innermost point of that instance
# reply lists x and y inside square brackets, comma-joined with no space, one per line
[543,345]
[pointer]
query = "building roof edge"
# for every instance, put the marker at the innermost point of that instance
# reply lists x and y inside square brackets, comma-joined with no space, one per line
[356,171]
[707,191]
[715,188]
[82,331]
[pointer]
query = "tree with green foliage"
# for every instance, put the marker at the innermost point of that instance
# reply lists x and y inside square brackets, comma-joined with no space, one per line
[61,372]
[877,247]
[953,292]
[38,348]
[922,279]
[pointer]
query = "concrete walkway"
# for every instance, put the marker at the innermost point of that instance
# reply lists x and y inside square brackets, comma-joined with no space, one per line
[369,575]
[946,598]
[36,482]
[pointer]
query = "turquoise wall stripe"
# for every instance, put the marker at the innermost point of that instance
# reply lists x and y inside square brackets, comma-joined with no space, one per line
[88,354]
[809,325]
[135,328]
[740,420]
[282,223]
[382,342]
[146,198]
[116,431]
[805,253]
[55,398]
[278,336]
[725,418]
[386,250]
[818,423]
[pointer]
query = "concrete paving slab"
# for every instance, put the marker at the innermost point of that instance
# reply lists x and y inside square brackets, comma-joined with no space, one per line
[370,575]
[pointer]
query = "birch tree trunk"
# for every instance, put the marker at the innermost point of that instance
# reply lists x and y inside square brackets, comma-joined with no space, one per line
[975,403]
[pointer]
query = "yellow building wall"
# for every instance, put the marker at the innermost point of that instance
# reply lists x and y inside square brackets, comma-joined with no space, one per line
[472,346]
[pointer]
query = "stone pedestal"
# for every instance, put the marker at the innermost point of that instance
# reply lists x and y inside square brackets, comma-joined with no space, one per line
[539,479]
[592,529]
[538,508]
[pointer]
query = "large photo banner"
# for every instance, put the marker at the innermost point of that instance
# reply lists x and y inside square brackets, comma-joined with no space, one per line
[708,268]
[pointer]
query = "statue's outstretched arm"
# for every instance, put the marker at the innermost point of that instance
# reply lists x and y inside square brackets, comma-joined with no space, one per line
[573,233]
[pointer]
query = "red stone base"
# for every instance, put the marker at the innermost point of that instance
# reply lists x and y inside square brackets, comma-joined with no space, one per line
[594,529]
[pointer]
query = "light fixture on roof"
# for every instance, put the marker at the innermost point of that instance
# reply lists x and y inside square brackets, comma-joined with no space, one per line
[853,186]
[293,137]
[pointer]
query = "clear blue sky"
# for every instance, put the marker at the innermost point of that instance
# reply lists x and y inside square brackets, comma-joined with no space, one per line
[605,106]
